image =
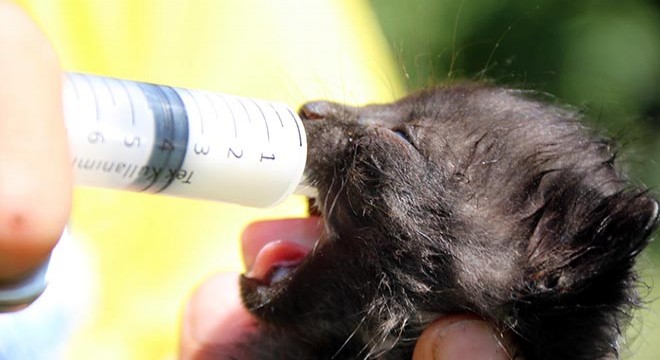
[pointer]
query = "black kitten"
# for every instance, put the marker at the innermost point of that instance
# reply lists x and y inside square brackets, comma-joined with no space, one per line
[465,198]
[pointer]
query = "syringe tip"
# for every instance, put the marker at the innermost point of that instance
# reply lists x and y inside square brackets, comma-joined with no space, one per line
[305,189]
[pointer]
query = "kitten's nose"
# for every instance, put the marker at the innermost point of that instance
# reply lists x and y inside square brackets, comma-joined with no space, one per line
[314,110]
[328,110]
[371,115]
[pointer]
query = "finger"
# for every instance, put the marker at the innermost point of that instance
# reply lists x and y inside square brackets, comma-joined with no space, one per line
[215,320]
[35,175]
[460,337]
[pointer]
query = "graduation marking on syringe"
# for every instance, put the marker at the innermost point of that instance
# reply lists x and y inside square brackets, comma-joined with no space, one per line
[247,114]
[96,100]
[263,116]
[233,117]
[278,115]
[199,111]
[130,101]
[107,86]
[215,109]
[297,127]
[73,86]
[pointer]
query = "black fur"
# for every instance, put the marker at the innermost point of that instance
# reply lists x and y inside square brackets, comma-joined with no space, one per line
[465,198]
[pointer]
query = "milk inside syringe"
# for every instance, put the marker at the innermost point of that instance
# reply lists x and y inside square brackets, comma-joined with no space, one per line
[190,143]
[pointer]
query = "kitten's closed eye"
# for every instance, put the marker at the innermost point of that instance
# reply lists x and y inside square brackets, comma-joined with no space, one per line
[404,134]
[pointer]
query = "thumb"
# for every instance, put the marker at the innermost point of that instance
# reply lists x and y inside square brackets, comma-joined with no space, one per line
[460,337]
[215,321]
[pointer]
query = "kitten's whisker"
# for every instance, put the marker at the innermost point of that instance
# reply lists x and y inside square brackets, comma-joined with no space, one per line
[350,336]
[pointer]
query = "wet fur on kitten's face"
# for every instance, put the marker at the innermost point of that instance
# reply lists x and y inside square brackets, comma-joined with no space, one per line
[465,198]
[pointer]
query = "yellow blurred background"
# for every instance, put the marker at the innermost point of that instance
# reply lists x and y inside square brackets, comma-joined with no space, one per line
[145,254]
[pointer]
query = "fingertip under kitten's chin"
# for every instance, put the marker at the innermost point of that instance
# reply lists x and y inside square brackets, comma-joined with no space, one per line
[215,321]
[460,337]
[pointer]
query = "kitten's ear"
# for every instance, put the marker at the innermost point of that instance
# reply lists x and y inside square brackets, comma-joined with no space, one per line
[579,273]
[588,237]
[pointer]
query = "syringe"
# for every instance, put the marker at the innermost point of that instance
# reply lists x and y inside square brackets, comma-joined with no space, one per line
[190,143]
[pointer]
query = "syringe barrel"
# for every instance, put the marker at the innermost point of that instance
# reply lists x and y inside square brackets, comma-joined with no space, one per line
[190,143]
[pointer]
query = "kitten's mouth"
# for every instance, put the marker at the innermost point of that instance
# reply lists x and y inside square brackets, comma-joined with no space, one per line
[273,249]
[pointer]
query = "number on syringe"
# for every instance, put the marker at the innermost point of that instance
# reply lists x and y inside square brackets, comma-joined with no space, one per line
[95,137]
[166,145]
[267,157]
[132,141]
[202,149]
[237,155]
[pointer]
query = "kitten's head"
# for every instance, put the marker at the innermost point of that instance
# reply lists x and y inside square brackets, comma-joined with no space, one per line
[464,198]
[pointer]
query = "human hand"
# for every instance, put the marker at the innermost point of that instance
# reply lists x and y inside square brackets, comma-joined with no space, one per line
[215,317]
[35,180]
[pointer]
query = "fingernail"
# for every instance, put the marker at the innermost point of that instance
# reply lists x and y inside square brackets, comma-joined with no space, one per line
[461,339]
[468,339]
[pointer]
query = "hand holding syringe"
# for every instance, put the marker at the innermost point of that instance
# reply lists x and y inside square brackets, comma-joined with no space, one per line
[190,143]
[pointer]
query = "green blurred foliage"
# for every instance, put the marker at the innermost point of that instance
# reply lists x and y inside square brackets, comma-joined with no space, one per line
[602,56]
